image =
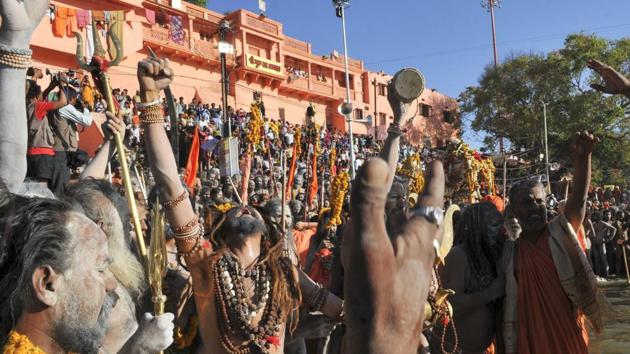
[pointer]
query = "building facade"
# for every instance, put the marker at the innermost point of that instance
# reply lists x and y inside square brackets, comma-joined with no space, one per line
[284,69]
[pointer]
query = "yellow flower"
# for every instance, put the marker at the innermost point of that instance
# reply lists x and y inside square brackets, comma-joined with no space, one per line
[20,344]
[338,192]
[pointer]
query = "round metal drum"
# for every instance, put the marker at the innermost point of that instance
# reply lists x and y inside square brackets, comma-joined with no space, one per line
[408,84]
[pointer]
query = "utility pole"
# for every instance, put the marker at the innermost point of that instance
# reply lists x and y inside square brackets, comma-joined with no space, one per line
[490,5]
[340,9]
[375,110]
[224,28]
[546,146]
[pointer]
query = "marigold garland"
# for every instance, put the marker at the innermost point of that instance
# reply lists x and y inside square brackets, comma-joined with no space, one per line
[412,169]
[297,140]
[255,125]
[332,161]
[20,344]
[338,192]
[476,165]
[224,208]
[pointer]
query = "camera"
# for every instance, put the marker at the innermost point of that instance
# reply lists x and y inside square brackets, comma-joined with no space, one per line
[69,78]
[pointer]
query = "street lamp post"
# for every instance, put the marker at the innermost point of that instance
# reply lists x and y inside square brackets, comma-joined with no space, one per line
[546,146]
[224,28]
[340,7]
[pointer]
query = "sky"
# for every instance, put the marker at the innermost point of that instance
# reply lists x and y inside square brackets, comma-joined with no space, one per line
[449,41]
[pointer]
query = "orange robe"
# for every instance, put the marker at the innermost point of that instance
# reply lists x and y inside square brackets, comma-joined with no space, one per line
[547,321]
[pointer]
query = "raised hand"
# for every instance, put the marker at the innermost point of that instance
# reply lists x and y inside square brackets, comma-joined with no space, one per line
[154,75]
[387,280]
[19,20]
[402,111]
[614,82]
[583,143]
[113,125]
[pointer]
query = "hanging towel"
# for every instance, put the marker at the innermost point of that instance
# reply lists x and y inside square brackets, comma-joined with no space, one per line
[98,15]
[150,15]
[83,18]
[89,46]
[71,23]
[60,21]
[176,30]
[108,17]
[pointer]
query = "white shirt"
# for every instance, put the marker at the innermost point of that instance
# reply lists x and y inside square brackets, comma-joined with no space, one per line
[71,113]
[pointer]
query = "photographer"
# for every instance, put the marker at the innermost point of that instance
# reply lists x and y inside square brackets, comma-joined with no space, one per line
[41,154]
[64,126]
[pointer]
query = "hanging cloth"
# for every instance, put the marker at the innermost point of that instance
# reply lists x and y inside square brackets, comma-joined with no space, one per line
[83,18]
[60,21]
[72,23]
[176,30]
[150,15]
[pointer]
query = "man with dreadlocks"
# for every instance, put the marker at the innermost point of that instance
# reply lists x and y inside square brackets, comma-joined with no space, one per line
[470,271]
[245,289]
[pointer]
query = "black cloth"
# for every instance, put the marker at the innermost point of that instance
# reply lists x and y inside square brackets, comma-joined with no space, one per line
[53,169]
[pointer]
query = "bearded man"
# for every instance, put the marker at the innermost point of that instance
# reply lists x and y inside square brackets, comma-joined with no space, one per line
[57,290]
[550,286]
[245,290]
[103,205]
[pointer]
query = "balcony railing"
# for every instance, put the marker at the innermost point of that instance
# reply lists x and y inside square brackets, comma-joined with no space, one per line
[296,46]
[321,88]
[161,36]
[205,49]
[298,82]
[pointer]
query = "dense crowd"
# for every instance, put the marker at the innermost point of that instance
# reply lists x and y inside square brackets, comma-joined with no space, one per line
[287,254]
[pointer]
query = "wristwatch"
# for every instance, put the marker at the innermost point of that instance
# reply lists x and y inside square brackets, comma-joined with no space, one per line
[435,215]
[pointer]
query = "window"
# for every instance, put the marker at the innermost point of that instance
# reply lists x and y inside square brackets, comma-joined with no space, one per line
[425,110]
[253,50]
[382,117]
[281,113]
[382,89]
[358,114]
[448,116]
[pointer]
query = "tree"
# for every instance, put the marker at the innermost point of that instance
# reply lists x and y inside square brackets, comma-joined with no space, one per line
[198,2]
[508,102]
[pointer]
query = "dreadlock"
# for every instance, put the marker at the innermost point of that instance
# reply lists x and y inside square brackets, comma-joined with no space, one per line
[472,234]
[284,277]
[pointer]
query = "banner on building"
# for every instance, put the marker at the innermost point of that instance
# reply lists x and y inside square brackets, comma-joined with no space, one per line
[264,65]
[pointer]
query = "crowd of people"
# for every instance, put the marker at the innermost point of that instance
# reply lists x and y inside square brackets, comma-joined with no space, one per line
[287,255]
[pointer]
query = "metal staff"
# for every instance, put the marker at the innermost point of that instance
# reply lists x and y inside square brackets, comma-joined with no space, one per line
[625,261]
[170,100]
[157,259]
[98,68]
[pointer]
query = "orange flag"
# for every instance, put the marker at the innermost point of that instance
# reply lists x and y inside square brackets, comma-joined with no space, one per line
[291,173]
[313,186]
[197,98]
[193,162]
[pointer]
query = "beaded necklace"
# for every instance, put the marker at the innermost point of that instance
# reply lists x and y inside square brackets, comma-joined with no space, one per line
[235,311]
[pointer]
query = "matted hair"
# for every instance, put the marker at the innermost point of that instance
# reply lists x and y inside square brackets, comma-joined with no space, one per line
[34,234]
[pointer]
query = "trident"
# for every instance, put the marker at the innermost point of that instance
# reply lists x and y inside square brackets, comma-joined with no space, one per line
[98,68]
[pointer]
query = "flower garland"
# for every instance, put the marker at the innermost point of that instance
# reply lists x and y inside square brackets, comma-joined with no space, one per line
[20,344]
[255,125]
[412,169]
[224,208]
[338,193]
[332,161]
[298,141]
[476,165]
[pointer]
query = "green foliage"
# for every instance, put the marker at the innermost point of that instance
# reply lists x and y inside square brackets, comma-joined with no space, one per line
[508,102]
[198,2]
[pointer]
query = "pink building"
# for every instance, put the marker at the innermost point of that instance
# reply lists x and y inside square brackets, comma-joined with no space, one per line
[284,69]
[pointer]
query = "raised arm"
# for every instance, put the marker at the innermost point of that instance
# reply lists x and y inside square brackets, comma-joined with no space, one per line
[98,166]
[153,76]
[19,19]
[576,203]
[391,147]
[614,82]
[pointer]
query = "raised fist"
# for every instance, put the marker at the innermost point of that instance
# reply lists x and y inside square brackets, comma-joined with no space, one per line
[154,75]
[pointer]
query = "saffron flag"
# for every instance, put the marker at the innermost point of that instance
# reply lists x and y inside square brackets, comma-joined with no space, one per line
[312,192]
[193,162]
[291,172]
[196,97]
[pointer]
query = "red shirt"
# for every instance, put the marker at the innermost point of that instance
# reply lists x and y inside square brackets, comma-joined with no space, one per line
[41,109]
